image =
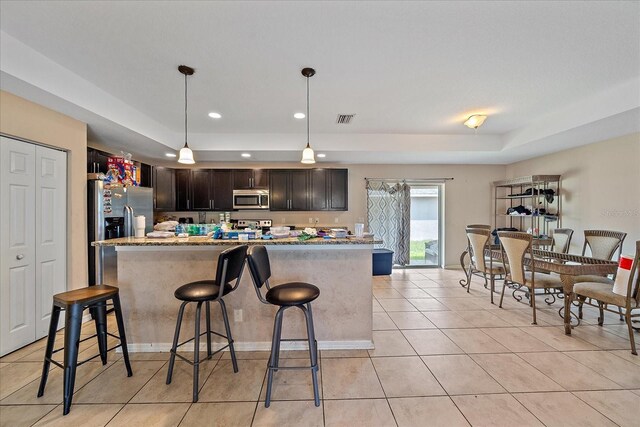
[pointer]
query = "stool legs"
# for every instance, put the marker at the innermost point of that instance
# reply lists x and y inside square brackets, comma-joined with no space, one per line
[174,347]
[121,334]
[227,329]
[313,353]
[196,353]
[275,350]
[208,314]
[99,313]
[71,343]
[51,339]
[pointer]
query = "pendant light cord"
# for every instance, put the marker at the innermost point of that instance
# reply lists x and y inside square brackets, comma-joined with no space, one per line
[308,118]
[185,110]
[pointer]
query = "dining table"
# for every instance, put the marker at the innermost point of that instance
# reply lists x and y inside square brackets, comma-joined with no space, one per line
[567,266]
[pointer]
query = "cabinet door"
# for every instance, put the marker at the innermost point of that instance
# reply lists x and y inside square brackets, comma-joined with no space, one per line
[338,193]
[145,175]
[97,161]
[278,190]
[242,179]
[260,178]
[299,190]
[183,189]
[318,190]
[200,193]
[164,189]
[221,190]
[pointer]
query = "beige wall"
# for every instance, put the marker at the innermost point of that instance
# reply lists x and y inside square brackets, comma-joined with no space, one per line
[600,186]
[24,119]
[467,197]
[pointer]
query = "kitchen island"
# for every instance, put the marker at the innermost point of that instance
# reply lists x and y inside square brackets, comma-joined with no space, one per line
[149,271]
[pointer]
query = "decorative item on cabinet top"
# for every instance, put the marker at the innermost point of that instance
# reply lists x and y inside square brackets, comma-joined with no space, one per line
[212,189]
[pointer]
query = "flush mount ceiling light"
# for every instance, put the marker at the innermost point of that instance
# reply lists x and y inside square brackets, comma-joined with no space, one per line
[299,115]
[307,154]
[186,155]
[321,155]
[245,155]
[215,115]
[170,154]
[475,121]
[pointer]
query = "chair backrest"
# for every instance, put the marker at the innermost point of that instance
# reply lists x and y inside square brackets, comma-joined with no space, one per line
[561,240]
[259,265]
[478,239]
[230,265]
[515,245]
[603,243]
[488,227]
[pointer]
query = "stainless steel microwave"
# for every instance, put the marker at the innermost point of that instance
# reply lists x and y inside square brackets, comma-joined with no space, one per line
[250,199]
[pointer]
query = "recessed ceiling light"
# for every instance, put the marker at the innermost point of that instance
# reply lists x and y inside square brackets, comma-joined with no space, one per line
[246,155]
[321,155]
[170,154]
[215,115]
[299,115]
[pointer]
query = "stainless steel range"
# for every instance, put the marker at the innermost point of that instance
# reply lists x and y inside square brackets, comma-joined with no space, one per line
[263,224]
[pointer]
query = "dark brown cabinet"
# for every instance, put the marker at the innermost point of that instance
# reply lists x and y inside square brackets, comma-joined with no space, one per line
[289,190]
[164,189]
[183,190]
[328,189]
[201,194]
[247,179]
[221,189]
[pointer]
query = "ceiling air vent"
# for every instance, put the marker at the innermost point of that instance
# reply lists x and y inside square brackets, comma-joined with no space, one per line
[345,119]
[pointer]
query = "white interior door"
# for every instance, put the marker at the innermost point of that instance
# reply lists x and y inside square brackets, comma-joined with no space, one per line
[50,237]
[17,244]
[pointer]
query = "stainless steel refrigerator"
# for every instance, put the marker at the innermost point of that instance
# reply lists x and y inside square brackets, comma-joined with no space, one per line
[110,218]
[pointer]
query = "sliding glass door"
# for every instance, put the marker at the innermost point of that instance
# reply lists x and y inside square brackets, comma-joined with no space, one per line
[426,225]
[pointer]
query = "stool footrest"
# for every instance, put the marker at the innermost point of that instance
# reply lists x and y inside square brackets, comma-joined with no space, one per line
[315,367]
[204,333]
[191,362]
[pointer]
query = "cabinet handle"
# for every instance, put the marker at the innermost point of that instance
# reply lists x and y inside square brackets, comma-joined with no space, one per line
[19,257]
[213,203]
[187,204]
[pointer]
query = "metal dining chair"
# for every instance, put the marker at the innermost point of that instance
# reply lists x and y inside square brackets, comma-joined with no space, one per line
[478,241]
[515,246]
[603,294]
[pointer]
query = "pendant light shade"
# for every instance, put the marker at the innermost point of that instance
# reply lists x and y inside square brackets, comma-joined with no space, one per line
[186,155]
[308,156]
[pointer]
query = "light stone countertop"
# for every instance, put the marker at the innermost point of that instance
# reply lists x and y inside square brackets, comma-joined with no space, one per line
[208,241]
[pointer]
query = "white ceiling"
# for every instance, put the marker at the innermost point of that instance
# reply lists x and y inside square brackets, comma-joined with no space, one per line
[550,75]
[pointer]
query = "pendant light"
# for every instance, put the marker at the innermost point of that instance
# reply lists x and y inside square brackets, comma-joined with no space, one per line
[308,156]
[186,155]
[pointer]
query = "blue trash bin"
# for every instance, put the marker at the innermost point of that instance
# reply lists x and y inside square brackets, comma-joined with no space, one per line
[382,262]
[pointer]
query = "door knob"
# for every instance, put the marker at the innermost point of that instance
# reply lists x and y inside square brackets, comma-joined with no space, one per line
[19,257]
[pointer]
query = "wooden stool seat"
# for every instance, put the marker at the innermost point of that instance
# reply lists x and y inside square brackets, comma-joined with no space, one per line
[85,295]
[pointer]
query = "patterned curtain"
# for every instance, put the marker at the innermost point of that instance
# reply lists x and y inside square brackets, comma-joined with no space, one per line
[389,216]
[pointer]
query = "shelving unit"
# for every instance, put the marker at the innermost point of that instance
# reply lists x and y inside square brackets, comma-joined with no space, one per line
[511,193]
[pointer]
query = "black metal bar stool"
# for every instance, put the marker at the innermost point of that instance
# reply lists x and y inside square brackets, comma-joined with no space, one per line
[286,295]
[74,303]
[230,265]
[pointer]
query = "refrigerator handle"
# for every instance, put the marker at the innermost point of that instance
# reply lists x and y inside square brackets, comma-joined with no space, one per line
[127,213]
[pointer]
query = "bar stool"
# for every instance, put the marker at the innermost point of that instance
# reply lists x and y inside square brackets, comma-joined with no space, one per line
[230,265]
[74,303]
[286,295]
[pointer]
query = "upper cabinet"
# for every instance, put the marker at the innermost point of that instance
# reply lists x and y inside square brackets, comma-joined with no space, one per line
[164,189]
[212,189]
[247,179]
[328,189]
[289,190]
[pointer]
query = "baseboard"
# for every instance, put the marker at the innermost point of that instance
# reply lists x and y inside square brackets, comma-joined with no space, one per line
[253,346]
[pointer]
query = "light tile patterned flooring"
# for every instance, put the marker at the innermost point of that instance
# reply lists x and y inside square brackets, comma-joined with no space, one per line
[443,357]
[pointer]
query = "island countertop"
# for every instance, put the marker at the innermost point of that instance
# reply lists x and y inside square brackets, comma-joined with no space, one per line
[208,241]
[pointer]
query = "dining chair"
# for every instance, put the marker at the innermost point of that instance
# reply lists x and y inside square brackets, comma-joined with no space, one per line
[561,240]
[603,294]
[515,247]
[602,244]
[484,226]
[478,241]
